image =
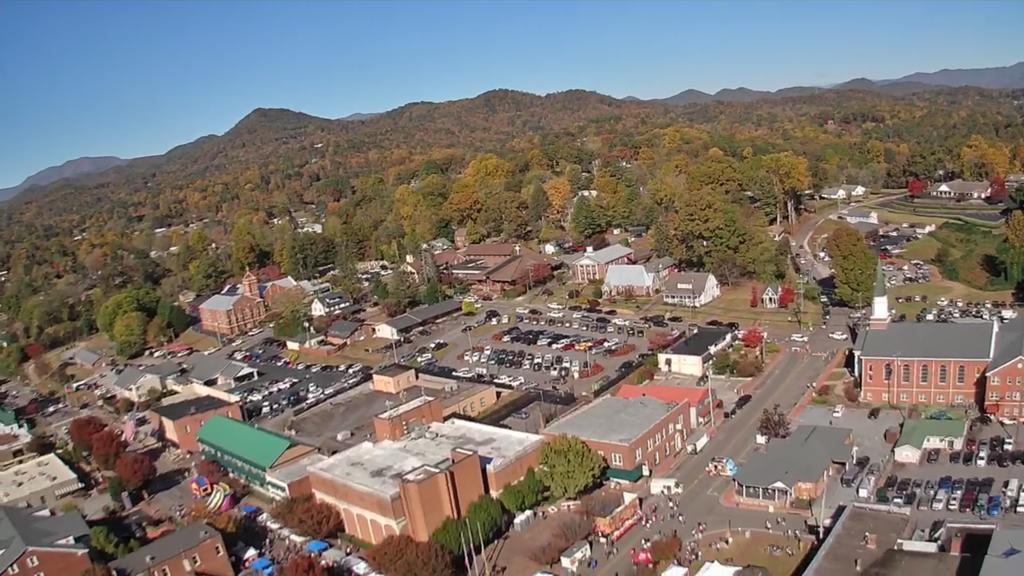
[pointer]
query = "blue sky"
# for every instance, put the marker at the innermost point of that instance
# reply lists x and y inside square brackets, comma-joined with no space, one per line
[132,79]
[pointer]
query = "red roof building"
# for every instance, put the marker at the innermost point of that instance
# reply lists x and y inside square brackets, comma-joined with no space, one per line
[698,399]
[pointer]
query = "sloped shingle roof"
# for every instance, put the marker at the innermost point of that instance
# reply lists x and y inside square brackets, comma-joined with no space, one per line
[628,275]
[606,254]
[165,548]
[802,457]
[22,528]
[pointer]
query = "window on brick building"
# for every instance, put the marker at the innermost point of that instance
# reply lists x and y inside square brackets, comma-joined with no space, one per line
[958,399]
[885,396]
[995,380]
[904,396]
[218,549]
[922,397]
[943,374]
[924,373]
[888,372]
[867,396]
[32,561]
[961,374]
[13,569]
[1016,395]
[196,561]
[993,395]
[639,454]
[940,398]
[905,374]
[1008,395]
[616,459]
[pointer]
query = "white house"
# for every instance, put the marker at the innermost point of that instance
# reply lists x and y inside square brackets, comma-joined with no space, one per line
[844,192]
[691,289]
[770,296]
[920,435]
[961,190]
[692,355]
[856,215]
[629,280]
[327,304]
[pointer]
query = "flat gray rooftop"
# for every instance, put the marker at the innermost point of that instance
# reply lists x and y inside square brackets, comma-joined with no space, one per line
[612,419]
[378,468]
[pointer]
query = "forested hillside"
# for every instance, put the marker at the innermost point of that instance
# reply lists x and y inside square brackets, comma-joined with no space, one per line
[706,177]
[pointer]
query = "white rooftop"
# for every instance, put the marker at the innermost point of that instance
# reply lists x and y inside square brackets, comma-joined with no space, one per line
[403,408]
[35,475]
[378,468]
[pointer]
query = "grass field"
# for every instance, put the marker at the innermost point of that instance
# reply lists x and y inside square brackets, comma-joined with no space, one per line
[734,305]
[753,551]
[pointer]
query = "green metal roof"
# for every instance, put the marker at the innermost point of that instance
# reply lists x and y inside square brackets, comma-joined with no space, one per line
[625,475]
[7,417]
[915,431]
[255,446]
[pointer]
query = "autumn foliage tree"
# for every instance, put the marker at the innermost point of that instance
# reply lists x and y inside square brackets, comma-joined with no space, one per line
[303,565]
[82,430]
[212,471]
[106,448]
[308,517]
[787,296]
[998,191]
[659,340]
[135,469]
[752,337]
[774,423]
[916,187]
[403,556]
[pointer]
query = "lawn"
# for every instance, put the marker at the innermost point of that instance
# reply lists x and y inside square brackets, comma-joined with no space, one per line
[196,340]
[754,551]
[890,217]
[970,257]
[734,305]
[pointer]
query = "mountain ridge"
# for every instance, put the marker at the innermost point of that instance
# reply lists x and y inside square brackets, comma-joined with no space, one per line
[70,169]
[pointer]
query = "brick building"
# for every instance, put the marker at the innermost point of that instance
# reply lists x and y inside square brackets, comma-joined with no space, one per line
[636,436]
[593,264]
[238,309]
[35,542]
[696,399]
[926,363]
[180,421]
[411,485]
[196,548]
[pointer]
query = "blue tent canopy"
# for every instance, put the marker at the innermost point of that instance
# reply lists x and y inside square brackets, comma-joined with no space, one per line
[262,563]
[317,546]
[249,509]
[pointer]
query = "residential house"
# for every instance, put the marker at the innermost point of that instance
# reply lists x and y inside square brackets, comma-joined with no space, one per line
[697,399]
[693,354]
[661,267]
[328,304]
[866,229]
[344,332]
[248,452]
[412,484]
[34,542]
[855,215]
[593,264]
[281,290]
[961,190]
[195,548]
[770,295]
[84,357]
[312,288]
[438,245]
[135,384]
[844,192]
[794,468]
[179,422]
[636,436]
[919,435]
[397,327]
[42,481]
[690,289]
[235,310]
[629,280]
[215,371]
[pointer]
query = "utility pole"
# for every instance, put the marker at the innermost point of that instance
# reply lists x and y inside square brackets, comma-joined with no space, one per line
[800,302]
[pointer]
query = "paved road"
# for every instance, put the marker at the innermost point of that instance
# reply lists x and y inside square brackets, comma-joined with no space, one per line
[783,384]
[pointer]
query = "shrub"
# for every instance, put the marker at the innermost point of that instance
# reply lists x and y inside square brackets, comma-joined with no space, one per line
[748,367]
[850,393]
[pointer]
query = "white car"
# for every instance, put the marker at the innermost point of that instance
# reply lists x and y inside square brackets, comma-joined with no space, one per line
[556,306]
[522,310]
[556,314]
[837,335]
[620,322]
[799,338]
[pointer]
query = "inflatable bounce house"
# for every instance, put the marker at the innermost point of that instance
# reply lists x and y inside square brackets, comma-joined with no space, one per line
[219,497]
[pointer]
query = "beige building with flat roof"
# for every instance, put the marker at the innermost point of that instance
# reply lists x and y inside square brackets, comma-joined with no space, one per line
[39,482]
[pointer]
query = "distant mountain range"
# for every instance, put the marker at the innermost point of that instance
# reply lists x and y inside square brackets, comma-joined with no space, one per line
[71,168]
[1003,77]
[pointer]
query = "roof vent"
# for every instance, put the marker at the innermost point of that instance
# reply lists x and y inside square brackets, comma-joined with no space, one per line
[150,559]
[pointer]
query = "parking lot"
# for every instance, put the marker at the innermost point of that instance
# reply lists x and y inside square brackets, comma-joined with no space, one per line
[559,350]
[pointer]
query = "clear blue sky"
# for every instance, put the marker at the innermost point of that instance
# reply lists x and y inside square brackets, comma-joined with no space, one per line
[128,79]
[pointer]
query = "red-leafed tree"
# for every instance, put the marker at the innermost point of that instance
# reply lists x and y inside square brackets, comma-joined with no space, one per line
[308,517]
[753,296]
[916,187]
[998,191]
[304,565]
[403,556]
[135,469]
[212,470]
[787,296]
[106,448]
[82,430]
[752,337]
[659,340]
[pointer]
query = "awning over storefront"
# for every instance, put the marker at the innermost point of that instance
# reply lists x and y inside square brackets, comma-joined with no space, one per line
[625,475]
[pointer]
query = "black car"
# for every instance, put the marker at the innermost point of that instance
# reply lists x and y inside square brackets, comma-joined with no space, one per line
[713,322]
[734,326]
[954,457]
[874,413]
[675,319]
[610,312]
[742,401]
[933,456]
[968,458]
